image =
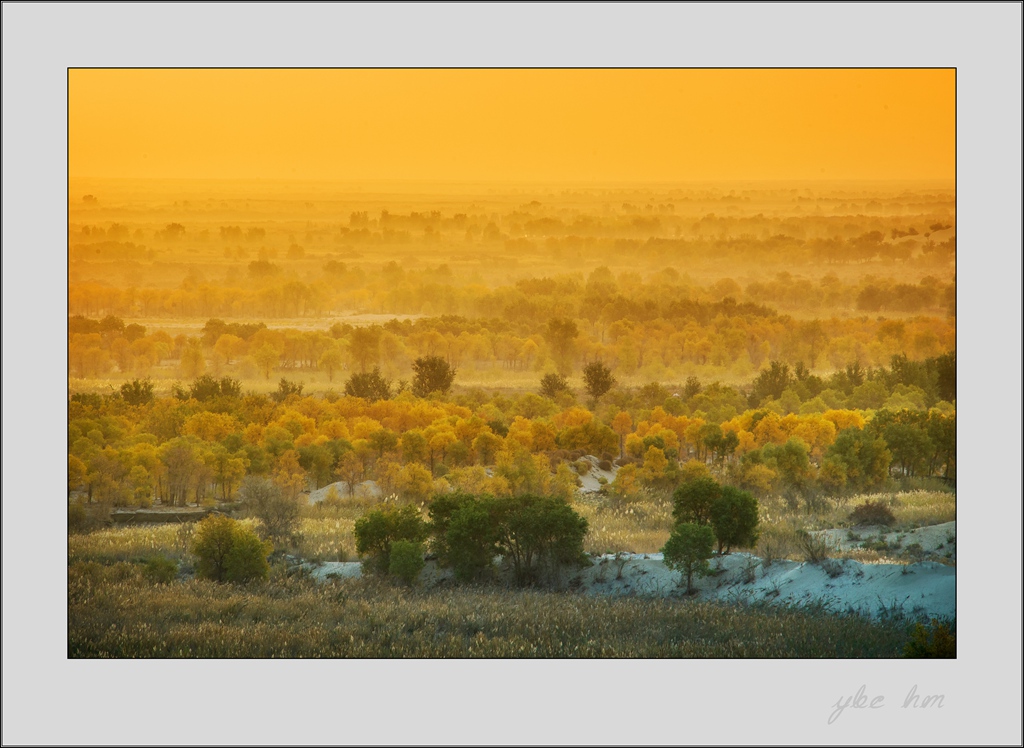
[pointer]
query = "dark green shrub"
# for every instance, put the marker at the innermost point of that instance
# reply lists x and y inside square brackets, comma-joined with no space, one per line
[597,379]
[137,391]
[552,384]
[432,374]
[406,560]
[375,532]
[228,551]
[872,513]
[370,386]
[160,570]
[247,559]
[285,388]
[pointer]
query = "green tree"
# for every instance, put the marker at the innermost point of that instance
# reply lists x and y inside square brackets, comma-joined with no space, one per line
[285,388]
[383,441]
[942,432]
[406,560]
[204,388]
[691,388]
[230,387]
[228,551]
[721,444]
[376,530]
[538,534]
[832,477]
[137,392]
[598,379]
[734,519]
[688,549]
[471,540]
[864,456]
[791,461]
[771,382]
[442,508]
[247,559]
[692,501]
[414,446]
[464,533]
[907,437]
[553,384]
[432,374]
[370,386]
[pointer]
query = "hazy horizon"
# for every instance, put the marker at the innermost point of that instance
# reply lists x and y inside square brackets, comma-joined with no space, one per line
[500,125]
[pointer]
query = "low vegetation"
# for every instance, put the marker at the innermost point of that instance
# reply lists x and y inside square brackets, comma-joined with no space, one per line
[114,612]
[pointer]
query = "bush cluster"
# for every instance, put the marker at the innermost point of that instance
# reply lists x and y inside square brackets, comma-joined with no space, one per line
[378,531]
[705,513]
[538,535]
[229,551]
[872,513]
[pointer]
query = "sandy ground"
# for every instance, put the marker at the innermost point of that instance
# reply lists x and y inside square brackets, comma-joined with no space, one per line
[590,482]
[925,589]
[921,590]
[368,489]
[934,540]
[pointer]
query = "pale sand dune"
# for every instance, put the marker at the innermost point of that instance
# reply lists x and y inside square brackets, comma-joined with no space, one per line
[922,590]
[933,539]
[367,489]
[590,482]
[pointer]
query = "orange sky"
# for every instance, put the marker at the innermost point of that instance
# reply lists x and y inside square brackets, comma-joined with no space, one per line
[583,126]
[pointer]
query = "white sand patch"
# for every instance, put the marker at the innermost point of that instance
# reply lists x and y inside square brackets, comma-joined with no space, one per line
[922,590]
[335,570]
[368,489]
[933,540]
[591,482]
[925,589]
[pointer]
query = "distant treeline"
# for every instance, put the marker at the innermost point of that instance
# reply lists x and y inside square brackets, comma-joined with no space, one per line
[268,291]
